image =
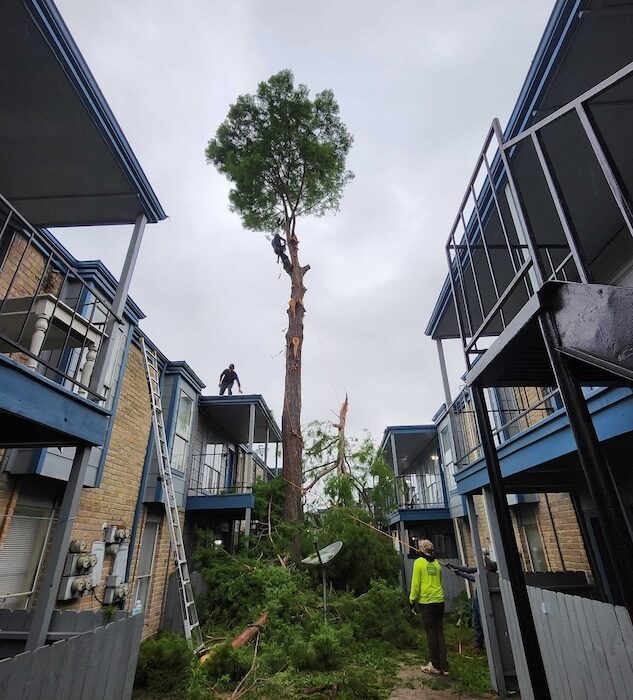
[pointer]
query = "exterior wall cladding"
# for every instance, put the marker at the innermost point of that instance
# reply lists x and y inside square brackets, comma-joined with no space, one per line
[114,500]
[560,535]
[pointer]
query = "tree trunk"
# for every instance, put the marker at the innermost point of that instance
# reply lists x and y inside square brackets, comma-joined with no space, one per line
[292,440]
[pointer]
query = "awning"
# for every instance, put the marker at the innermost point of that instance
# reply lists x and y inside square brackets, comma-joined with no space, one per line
[65,160]
[411,442]
[232,415]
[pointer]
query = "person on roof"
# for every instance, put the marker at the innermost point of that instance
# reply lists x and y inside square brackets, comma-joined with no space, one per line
[428,593]
[227,378]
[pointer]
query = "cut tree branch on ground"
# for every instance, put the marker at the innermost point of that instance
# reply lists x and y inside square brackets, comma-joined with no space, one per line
[247,634]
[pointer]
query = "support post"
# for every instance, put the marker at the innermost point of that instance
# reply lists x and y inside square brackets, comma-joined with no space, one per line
[508,558]
[47,596]
[249,468]
[118,305]
[495,664]
[443,372]
[602,487]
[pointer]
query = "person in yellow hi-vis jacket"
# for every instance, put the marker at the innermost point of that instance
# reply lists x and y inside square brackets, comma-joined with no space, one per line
[428,593]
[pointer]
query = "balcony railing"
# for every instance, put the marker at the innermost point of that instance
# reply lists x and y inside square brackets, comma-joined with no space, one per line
[51,319]
[419,491]
[530,406]
[534,206]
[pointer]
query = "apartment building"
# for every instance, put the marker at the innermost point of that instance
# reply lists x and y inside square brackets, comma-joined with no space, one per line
[539,295]
[83,537]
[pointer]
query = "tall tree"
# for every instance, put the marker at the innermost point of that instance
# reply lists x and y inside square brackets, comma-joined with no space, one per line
[285,156]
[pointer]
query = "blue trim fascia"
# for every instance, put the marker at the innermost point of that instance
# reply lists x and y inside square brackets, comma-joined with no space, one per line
[33,397]
[182,369]
[404,430]
[115,406]
[54,30]
[612,414]
[411,515]
[557,32]
[229,501]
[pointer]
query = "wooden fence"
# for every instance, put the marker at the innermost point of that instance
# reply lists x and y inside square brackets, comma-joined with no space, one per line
[587,646]
[95,665]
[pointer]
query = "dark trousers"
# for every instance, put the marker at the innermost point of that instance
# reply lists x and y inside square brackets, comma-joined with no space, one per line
[224,386]
[479,630]
[433,620]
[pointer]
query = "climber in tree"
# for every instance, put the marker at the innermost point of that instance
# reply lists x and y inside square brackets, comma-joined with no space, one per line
[279,246]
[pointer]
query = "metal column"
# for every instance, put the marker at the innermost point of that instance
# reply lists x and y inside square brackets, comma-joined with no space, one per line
[47,595]
[598,474]
[118,305]
[401,531]
[495,665]
[249,468]
[514,571]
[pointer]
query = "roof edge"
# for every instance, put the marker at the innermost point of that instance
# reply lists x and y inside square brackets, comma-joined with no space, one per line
[49,21]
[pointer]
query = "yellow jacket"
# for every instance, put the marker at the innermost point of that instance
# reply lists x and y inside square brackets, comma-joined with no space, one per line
[426,582]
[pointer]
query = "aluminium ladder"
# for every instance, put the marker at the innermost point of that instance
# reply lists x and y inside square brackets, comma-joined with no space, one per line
[191,624]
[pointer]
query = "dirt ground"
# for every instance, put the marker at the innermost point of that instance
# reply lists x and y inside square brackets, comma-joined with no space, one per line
[411,687]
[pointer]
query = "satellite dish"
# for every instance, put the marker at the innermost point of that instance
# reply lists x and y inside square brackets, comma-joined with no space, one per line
[323,556]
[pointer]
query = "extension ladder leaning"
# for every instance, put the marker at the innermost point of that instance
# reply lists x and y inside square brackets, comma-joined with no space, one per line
[191,624]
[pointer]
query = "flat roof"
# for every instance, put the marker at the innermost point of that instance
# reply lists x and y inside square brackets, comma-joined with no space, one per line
[232,415]
[411,442]
[65,160]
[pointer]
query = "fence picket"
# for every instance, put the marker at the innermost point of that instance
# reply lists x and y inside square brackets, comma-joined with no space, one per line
[578,646]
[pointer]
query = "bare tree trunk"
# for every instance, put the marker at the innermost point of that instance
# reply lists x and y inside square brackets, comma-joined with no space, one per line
[292,439]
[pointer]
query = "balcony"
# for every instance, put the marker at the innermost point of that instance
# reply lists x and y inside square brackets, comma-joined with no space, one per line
[52,332]
[534,441]
[543,209]
[237,445]
[412,451]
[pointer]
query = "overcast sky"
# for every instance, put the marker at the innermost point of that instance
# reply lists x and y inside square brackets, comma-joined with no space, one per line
[418,83]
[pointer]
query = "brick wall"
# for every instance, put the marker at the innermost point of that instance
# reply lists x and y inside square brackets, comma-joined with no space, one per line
[558,526]
[30,265]
[561,535]
[114,501]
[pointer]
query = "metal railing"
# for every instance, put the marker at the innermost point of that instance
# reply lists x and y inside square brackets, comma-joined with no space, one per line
[213,475]
[51,318]
[531,406]
[496,259]
[418,491]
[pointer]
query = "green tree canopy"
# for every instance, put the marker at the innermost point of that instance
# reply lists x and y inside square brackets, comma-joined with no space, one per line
[284,153]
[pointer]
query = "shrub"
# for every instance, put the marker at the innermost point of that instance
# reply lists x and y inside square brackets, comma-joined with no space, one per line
[379,614]
[366,553]
[228,665]
[162,663]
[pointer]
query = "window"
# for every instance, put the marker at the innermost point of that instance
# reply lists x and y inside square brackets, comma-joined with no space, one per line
[184,419]
[146,560]
[533,539]
[22,554]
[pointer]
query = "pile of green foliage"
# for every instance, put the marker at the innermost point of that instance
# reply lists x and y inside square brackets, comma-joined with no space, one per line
[356,648]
